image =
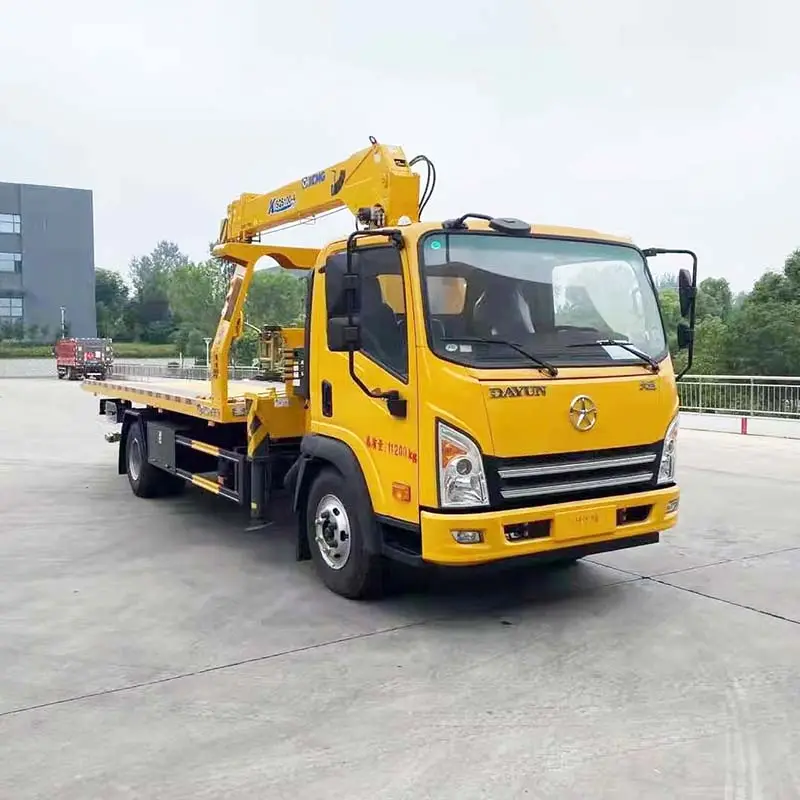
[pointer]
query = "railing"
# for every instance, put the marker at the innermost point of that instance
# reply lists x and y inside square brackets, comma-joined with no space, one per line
[121,369]
[742,395]
[754,396]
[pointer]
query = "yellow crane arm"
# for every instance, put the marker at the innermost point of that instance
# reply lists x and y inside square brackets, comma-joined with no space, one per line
[376,184]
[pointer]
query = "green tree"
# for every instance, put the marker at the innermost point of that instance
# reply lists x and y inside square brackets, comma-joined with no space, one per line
[111,299]
[245,348]
[763,331]
[739,299]
[14,331]
[196,293]
[191,342]
[710,349]
[276,297]
[764,338]
[666,280]
[791,269]
[671,313]
[771,287]
[714,299]
[151,276]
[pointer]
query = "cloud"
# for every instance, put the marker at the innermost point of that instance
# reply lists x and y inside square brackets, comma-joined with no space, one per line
[674,124]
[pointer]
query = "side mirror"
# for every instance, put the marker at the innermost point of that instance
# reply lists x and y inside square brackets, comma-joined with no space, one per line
[343,302]
[686,292]
[343,337]
[685,336]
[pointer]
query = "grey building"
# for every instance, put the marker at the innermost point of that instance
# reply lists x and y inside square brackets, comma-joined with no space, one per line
[46,260]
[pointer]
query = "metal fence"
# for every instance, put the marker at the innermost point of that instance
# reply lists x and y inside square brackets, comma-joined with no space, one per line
[754,396]
[744,395]
[122,369]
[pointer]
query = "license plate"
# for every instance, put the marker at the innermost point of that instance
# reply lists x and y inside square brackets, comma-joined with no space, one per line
[585,524]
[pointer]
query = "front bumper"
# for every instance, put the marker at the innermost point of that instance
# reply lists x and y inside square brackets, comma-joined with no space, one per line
[597,525]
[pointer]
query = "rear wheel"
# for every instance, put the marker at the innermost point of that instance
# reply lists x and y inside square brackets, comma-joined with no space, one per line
[145,479]
[336,538]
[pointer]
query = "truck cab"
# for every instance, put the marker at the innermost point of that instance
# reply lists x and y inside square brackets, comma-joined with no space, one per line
[498,390]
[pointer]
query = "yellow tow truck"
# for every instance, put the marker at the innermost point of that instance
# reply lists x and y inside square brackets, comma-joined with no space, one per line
[469,391]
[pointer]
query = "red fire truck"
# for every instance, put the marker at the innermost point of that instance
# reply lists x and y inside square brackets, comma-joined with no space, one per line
[77,358]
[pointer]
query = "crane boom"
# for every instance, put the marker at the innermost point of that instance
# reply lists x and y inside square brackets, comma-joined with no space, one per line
[376,184]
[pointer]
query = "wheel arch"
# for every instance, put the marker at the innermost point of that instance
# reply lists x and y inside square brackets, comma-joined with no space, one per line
[132,416]
[316,453]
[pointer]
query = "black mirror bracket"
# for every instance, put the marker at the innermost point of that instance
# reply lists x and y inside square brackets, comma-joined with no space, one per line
[687,299]
[395,403]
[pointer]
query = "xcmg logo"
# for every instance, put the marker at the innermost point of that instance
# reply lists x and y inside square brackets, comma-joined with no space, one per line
[277,205]
[313,180]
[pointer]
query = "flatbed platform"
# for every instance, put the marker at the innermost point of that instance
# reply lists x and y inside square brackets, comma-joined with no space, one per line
[183,394]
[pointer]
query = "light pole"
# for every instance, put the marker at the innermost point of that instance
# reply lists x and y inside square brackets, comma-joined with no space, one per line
[63,322]
[208,342]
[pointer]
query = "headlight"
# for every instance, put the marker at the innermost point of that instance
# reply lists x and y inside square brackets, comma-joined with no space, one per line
[666,469]
[462,480]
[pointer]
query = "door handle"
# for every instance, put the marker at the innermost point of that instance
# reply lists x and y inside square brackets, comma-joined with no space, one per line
[327,399]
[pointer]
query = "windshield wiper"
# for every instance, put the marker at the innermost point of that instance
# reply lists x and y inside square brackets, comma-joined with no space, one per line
[631,348]
[541,363]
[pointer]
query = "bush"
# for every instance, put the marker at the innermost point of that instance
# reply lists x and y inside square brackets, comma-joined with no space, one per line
[122,350]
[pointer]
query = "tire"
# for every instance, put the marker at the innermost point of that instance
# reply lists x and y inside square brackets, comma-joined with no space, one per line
[145,479]
[61,375]
[348,568]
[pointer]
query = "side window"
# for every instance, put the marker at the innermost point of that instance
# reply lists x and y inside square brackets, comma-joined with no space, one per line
[383,309]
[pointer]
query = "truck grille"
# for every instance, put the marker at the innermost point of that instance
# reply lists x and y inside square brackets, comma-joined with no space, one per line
[573,476]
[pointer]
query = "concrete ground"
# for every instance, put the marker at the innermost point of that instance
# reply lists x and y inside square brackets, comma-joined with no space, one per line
[159,649]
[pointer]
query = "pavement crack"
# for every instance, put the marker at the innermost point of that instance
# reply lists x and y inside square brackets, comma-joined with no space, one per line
[498,607]
[216,668]
[744,606]
[616,569]
[736,560]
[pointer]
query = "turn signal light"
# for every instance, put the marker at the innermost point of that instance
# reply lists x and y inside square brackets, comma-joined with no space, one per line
[401,492]
[672,506]
[451,450]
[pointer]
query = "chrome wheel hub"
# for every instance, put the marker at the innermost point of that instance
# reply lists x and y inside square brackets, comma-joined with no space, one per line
[332,531]
[134,458]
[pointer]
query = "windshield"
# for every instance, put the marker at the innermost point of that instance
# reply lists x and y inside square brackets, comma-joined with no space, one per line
[554,297]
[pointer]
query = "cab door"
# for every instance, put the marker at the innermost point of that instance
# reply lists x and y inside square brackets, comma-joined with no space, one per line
[351,405]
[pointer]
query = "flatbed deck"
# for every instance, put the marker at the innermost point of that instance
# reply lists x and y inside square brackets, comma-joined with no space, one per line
[185,395]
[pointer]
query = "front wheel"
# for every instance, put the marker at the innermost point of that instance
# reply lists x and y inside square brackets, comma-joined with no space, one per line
[336,538]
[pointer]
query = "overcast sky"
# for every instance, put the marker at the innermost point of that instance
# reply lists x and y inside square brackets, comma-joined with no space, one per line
[675,123]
